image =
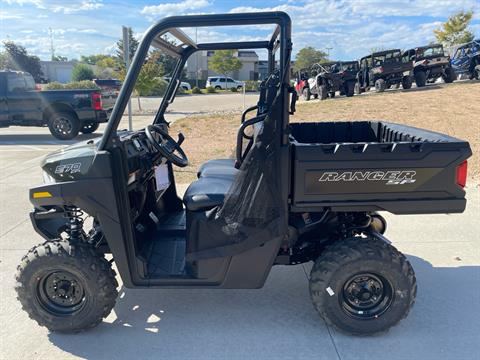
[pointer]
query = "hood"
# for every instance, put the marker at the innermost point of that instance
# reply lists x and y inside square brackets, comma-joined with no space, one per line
[72,162]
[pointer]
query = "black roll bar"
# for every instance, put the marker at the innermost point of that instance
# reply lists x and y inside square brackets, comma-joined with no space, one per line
[277,17]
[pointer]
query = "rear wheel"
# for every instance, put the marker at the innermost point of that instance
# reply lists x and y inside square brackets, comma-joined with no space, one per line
[380,85]
[63,125]
[362,286]
[306,94]
[420,78]
[407,82]
[322,92]
[218,88]
[89,128]
[357,88]
[449,76]
[349,88]
[66,288]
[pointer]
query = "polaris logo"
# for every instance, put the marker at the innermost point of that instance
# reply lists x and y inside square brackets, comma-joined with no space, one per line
[391,177]
[68,168]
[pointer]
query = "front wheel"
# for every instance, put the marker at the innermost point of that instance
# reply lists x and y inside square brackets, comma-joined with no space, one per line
[362,286]
[306,94]
[449,76]
[322,92]
[89,128]
[420,78]
[407,82]
[66,288]
[63,125]
[380,85]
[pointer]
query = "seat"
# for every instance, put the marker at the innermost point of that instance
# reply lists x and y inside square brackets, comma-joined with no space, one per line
[216,167]
[206,193]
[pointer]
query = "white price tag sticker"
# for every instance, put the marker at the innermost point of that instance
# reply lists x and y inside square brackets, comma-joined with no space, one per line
[161,177]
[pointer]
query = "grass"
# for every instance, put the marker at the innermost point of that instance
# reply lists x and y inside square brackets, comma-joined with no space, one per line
[453,109]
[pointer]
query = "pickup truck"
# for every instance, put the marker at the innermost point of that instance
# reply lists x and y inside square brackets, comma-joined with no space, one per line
[65,112]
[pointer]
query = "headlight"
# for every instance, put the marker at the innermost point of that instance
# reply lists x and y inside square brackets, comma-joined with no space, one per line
[47,178]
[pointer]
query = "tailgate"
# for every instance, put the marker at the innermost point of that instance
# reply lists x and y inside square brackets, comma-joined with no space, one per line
[374,166]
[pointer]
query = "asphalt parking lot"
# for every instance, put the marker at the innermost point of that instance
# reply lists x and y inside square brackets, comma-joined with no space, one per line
[276,322]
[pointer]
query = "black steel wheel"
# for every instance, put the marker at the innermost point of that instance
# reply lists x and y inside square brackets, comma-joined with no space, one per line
[66,288]
[88,128]
[61,293]
[63,125]
[306,94]
[366,296]
[380,85]
[362,285]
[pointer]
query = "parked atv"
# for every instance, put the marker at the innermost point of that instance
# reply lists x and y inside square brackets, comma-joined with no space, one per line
[429,63]
[466,58]
[301,85]
[325,80]
[383,70]
[295,193]
[349,70]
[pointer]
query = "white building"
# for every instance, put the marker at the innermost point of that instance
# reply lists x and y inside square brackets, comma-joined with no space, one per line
[198,64]
[60,71]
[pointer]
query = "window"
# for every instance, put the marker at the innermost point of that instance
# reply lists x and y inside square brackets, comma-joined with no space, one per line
[213,79]
[16,83]
[230,80]
[222,80]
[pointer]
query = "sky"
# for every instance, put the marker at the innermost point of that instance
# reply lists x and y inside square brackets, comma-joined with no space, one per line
[345,29]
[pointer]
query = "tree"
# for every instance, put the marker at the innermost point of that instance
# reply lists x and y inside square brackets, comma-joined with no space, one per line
[59,58]
[308,56]
[167,62]
[16,58]
[133,43]
[82,72]
[454,30]
[224,62]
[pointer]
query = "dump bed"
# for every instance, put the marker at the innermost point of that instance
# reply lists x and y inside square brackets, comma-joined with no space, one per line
[374,166]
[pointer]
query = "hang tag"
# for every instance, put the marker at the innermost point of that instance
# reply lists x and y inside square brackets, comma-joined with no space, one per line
[161,177]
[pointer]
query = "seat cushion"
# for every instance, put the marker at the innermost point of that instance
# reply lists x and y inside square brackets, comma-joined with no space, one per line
[222,172]
[206,193]
[216,163]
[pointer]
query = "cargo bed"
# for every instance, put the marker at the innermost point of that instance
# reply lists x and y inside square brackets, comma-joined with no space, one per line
[375,166]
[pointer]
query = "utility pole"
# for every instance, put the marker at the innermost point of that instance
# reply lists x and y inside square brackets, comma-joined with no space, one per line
[126,58]
[196,58]
[328,48]
[52,48]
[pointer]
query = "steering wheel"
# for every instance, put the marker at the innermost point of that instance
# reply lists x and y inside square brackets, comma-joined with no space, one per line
[165,144]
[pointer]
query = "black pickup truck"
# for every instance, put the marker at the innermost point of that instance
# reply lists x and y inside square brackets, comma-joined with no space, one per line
[65,112]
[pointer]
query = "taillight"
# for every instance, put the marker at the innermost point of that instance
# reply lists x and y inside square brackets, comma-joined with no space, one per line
[97,101]
[462,174]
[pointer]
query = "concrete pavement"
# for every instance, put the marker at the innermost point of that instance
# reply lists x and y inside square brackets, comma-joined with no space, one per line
[276,322]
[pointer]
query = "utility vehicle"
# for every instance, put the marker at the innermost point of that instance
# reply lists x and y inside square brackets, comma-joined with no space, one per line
[294,193]
[325,80]
[65,112]
[382,70]
[429,63]
[466,59]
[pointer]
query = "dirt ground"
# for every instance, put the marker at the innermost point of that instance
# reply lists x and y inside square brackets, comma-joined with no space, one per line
[453,109]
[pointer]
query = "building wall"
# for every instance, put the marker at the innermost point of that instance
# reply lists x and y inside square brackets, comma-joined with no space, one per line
[60,71]
[198,64]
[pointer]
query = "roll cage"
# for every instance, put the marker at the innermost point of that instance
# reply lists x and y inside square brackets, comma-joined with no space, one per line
[279,40]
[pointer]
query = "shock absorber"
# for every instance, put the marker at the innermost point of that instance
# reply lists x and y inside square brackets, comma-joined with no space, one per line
[74,223]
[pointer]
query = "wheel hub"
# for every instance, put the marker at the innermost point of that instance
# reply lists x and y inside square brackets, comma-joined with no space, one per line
[61,293]
[366,296]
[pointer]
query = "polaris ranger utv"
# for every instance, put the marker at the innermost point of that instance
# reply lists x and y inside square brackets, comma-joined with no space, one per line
[295,193]
[382,70]
[325,80]
[429,63]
